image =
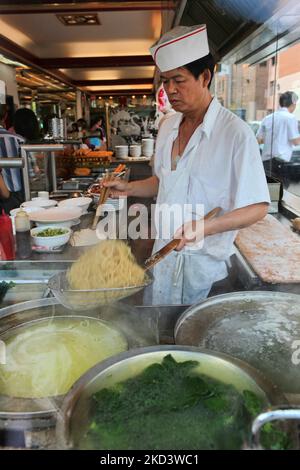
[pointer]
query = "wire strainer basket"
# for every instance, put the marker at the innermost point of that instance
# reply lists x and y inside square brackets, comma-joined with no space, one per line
[93,298]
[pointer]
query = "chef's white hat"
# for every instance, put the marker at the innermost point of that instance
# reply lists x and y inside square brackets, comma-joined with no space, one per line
[180,46]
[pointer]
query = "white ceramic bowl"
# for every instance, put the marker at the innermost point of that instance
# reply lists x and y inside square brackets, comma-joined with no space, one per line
[40,202]
[135,151]
[54,241]
[81,202]
[28,210]
[121,151]
[62,216]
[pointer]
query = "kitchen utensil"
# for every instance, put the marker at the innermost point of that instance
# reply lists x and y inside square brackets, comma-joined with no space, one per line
[102,199]
[163,252]
[90,298]
[117,173]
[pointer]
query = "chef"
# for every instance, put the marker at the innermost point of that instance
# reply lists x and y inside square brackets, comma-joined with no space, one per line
[205,155]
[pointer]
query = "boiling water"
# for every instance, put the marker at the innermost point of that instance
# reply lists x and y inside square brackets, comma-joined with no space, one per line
[46,358]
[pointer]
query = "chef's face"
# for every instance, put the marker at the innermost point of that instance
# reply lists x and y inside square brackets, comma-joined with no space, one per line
[185,92]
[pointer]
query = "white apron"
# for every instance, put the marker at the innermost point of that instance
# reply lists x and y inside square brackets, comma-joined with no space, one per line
[182,277]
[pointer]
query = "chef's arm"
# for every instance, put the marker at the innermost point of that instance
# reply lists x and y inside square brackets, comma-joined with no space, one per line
[142,188]
[234,220]
[237,219]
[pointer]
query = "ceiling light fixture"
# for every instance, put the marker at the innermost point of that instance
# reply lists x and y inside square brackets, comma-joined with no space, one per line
[79,20]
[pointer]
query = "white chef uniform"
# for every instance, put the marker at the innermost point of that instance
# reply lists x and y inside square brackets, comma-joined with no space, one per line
[220,167]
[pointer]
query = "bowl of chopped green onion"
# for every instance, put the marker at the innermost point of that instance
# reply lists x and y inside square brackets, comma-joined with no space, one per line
[50,237]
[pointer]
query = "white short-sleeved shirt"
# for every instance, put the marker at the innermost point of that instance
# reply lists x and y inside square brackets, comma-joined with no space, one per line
[277,130]
[227,169]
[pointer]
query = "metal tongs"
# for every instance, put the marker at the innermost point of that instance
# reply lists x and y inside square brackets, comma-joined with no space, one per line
[172,245]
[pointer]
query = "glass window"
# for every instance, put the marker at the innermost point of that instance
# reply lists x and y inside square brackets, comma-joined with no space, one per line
[257,92]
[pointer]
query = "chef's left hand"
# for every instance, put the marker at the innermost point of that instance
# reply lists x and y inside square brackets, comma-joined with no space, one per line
[190,233]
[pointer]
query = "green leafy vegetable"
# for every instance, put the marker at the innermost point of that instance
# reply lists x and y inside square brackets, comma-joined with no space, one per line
[4,287]
[171,406]
[51,232]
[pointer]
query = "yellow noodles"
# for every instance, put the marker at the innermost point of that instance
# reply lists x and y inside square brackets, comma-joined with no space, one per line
[109,264]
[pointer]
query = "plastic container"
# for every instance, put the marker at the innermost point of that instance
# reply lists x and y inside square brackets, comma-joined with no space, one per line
[7,243]
[23,240]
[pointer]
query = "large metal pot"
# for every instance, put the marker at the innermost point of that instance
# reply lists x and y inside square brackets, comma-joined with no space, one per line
[74,417]
[260,328]
[24,414]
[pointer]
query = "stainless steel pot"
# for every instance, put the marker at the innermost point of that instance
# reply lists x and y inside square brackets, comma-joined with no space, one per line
[75,412]
[260,328]
[24,414]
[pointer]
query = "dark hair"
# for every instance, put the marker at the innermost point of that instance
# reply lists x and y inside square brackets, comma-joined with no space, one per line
[96,119]
[3,111]
[198,66]
[26,124]
[82,123]
[287,99]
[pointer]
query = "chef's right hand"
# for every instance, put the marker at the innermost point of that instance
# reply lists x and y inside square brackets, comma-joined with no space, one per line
[118,188]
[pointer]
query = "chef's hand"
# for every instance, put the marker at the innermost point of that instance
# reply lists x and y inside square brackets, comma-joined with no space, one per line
[190,233]
[118,188]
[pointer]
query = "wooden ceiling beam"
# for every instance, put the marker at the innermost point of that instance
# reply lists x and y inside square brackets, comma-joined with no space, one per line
[121,81]
[121,92]
[26,8]
[96,62]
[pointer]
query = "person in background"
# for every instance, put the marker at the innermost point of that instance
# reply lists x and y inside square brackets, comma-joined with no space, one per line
[97,136]
[26,125]
[279,131]
[98,127]
[12,177]
[82,128]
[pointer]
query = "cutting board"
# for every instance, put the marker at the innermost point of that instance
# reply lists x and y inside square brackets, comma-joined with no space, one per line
[272,250]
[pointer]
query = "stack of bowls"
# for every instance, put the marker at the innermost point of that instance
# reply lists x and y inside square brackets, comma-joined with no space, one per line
[81,202]
[147,147]
[121,151]
[39,202]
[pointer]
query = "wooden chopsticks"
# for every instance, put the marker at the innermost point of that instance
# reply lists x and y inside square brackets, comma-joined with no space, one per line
[105,192]
[165,250]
